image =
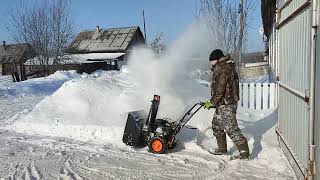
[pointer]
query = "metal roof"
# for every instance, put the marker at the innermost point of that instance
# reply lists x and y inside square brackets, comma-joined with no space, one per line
[15,52]
[105,40]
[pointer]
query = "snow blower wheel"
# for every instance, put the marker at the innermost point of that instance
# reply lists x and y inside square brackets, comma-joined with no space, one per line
[157,145]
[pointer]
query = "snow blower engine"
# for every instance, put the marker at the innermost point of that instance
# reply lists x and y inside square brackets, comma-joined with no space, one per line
[144,129]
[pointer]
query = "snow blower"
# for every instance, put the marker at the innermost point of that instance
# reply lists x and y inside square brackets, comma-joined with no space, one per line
[158,134]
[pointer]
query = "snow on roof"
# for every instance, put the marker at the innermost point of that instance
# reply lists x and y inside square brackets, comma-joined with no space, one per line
[106,40]
[78,58]
[94,56]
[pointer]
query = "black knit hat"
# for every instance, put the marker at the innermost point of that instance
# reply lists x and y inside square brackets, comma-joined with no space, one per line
[216,55]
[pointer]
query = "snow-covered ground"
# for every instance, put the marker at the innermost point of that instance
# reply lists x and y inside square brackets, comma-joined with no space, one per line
[260,79]
[70,126]
[75,133]
[5,79]
[23,96]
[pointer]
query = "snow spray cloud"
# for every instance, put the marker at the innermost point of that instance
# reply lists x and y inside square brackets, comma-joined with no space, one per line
[151,69]
[166,75]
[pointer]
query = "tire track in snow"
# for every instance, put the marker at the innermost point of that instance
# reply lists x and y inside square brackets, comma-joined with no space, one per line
[66,173]
[29,172]
[132,165]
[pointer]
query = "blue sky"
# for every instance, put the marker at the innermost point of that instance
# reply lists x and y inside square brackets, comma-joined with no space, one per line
[168,16]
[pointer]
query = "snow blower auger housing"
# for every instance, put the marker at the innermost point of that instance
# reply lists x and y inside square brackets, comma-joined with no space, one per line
[158,134]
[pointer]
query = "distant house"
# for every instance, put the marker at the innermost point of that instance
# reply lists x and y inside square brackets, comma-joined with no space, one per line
[91,50]
[81,62]
[12,58]
[106,49]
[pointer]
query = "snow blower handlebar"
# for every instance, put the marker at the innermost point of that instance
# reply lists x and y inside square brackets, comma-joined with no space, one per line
[186,117]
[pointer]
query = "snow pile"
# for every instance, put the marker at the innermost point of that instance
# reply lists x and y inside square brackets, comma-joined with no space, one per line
[46,85]
[95,107]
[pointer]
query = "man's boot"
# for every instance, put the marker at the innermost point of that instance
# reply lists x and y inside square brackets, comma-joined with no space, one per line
[222,146]
[244,151]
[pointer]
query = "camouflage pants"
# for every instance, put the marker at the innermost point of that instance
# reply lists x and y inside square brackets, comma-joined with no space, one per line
[225,121]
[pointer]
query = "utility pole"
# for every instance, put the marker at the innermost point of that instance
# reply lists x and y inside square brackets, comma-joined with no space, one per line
[241,11]
[144,27]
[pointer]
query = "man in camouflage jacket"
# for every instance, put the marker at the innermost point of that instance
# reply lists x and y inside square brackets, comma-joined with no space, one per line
[225,97]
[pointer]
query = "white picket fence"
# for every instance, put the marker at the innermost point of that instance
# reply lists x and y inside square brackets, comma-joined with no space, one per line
[258,96]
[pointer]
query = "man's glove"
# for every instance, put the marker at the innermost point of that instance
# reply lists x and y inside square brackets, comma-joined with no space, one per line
[208,105]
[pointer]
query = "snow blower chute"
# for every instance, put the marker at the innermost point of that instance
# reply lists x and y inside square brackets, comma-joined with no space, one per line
[158,134]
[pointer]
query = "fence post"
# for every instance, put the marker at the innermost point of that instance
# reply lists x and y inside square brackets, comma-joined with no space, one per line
[251,96]
[272,95]
[245,94]
[265,95]
[258,96]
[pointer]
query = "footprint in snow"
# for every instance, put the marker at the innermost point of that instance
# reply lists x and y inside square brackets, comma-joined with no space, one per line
[186,161]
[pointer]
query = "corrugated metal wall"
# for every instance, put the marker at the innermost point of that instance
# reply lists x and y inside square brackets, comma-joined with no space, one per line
[294,47]
[293,5]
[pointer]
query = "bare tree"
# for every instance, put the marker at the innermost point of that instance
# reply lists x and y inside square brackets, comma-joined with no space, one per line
[46,25]
[246,8]
[228,22]
[157,43]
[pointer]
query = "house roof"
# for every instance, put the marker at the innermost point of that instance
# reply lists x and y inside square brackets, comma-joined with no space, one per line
[16,52]
[104,40]
[78,58]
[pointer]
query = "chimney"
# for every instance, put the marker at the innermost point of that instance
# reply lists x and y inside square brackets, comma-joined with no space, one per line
[98,29]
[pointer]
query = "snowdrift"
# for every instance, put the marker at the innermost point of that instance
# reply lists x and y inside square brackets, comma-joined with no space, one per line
[94,107]
[46,85]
